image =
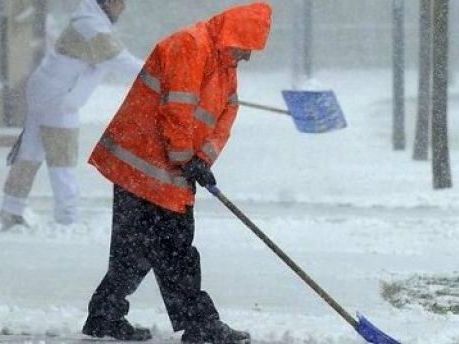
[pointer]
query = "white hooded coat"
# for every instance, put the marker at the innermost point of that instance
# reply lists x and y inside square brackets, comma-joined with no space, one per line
[85,52]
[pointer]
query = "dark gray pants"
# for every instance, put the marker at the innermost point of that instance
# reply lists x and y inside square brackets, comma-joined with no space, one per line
[145,237]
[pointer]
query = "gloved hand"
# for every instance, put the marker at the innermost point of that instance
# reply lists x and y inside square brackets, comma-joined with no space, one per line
[197,170]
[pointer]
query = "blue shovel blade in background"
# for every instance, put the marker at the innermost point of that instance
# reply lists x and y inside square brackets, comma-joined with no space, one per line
[314,111]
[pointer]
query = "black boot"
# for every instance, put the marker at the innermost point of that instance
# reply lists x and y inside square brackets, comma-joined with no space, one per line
[215,332]
[118,329]
[8,220]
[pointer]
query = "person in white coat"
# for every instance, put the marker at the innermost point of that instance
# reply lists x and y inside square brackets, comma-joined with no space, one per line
[83,55]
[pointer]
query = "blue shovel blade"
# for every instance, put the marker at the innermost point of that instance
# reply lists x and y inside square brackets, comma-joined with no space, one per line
[314,111]
[371,333]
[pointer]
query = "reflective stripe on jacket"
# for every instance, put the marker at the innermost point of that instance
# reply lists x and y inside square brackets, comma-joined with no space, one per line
[183,103]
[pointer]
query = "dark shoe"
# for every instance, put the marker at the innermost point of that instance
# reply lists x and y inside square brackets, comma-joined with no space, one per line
[215,332]
[8,220]
[118,329]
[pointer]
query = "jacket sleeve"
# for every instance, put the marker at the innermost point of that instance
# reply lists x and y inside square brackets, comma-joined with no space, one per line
[183,70]
[91,39]
[215,143]
[217,140]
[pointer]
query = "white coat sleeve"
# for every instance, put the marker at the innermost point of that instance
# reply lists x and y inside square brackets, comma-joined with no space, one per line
[125,65]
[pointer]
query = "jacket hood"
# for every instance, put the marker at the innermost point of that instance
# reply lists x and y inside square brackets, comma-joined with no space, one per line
[90,20]
[90,9]
[244,27]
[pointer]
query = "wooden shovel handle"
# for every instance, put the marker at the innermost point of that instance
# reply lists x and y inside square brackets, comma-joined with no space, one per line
[263,107]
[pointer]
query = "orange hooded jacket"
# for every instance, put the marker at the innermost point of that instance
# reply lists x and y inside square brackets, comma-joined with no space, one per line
[183,103]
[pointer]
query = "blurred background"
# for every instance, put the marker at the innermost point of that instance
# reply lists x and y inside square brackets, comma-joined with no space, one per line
[345,34]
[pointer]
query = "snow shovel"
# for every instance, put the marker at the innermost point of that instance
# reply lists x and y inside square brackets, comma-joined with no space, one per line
[363,326]
[313,112]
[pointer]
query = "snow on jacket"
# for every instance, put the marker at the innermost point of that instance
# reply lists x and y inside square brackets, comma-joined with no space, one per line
[84,54]
[183,103]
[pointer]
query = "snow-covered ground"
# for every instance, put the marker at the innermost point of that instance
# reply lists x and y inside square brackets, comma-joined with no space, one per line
[349,210]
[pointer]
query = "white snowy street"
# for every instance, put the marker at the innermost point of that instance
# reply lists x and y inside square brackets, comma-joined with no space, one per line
[51,274]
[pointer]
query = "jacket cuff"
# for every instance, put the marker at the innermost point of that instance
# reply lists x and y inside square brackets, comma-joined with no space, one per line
[180,157]
[201,155]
